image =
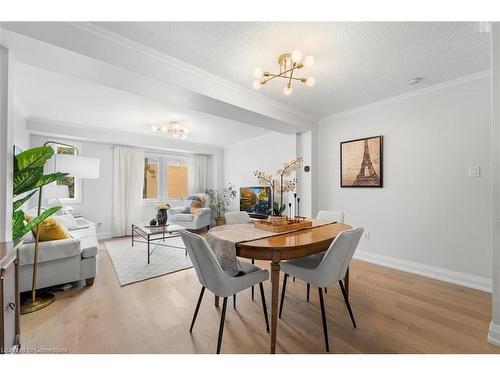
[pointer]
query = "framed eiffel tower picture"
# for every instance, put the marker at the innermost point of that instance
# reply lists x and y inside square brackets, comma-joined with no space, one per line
[361,162]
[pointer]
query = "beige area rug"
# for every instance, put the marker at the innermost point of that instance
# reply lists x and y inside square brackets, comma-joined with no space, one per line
[131,263]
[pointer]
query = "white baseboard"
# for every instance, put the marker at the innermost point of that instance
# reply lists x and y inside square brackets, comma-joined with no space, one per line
[471,281]
[494,334]
[104,235]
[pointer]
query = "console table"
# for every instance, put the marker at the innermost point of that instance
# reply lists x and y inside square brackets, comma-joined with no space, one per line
[9,298]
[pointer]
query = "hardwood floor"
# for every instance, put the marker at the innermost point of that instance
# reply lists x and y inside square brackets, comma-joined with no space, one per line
[396,312]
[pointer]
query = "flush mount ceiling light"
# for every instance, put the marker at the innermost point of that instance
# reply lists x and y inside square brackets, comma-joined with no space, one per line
[415,80]
[172,129]
[288,63]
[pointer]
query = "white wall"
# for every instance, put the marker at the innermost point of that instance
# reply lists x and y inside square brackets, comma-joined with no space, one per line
[21,135]
[430,217]
[304,179]
[494,332]
[266,152]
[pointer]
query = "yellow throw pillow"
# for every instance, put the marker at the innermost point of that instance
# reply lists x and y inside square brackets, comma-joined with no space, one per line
[50,229]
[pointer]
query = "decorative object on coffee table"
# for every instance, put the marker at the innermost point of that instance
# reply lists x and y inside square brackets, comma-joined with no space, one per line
[153,222]
[220,201]
[162,213]
[279,187]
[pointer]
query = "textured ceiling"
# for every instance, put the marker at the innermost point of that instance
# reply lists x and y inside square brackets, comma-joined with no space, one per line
[356,63]
[48,95]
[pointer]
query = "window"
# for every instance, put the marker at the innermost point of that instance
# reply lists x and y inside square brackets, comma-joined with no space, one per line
[177,181]
[151,178]
[74,184]
[68,181]
[167,177]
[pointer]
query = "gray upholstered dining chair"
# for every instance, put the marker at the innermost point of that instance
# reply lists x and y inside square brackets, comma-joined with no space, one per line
[213,278]
[324,215]
[236,217]
[323,271]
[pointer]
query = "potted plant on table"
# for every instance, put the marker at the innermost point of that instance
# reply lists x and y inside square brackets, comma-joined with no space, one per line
[220,201]
[279,187]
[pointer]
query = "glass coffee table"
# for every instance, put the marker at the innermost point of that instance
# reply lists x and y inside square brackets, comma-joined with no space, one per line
[155,236]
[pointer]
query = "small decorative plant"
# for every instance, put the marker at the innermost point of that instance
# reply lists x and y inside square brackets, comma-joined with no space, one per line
[281,185]
[163,206]
[220,201]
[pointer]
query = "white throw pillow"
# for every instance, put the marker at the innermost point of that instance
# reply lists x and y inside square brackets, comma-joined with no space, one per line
[67,220]
[28,237]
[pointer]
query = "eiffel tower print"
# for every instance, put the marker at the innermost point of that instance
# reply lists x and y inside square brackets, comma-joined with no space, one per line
[367,175]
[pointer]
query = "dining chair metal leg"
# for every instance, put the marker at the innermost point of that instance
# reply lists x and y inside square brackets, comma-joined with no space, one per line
[308,288]
[253,262]
[346,300]
[221,327]
[323,318]
[264,307]
[326,290]
[197,308]
[234,301]
[283,294]
[294,279]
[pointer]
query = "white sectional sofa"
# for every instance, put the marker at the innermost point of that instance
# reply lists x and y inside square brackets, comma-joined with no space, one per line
[61,261]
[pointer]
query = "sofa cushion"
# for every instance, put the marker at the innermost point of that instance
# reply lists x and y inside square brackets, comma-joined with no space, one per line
[89,246]
[49,250]
[184,217]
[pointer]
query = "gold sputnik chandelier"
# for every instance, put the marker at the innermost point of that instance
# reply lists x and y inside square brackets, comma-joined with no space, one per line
[289,63]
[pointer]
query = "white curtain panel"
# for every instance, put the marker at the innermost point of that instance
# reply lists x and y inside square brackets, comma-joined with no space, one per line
[200,173]
[128,183]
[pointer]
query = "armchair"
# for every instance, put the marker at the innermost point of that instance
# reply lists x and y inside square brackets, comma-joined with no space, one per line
[198,220]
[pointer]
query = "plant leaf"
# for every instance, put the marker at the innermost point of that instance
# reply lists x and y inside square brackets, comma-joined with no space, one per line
[18,225]
[49,178]
[21,201]
[26,180]
[32,158]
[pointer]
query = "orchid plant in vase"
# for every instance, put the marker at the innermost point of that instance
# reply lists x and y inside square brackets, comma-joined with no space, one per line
[281,184]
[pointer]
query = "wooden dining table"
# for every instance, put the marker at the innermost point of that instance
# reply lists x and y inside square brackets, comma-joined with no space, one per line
[285,246]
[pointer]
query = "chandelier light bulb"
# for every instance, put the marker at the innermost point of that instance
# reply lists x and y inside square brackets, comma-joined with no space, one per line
[310,81]
[256,84]
[297,56]
[258,73]
[164,129]
[287,90]
[154,128]
[186,131]
[183,136]
[309,61]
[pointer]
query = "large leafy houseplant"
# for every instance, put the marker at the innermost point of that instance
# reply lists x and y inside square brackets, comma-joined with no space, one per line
[28,179]
[220,201]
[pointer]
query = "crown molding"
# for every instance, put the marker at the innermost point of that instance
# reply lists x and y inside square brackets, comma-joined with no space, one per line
[110,36]
[412,94]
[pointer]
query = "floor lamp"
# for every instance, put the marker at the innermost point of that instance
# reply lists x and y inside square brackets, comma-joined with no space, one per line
[76,166]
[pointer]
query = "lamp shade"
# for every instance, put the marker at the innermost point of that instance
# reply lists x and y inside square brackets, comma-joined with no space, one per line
[77,166]
[53,192]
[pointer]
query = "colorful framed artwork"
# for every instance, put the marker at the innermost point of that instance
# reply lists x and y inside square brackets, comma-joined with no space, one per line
[361,162]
